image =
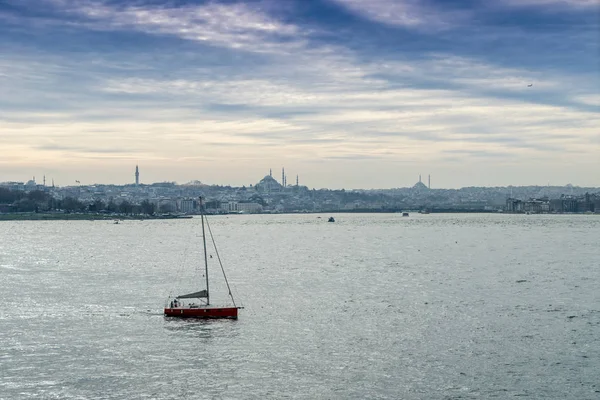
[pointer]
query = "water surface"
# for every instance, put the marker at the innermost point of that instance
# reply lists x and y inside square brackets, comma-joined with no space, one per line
[372,306]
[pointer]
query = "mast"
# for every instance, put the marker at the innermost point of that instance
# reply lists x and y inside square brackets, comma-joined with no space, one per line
[205,256]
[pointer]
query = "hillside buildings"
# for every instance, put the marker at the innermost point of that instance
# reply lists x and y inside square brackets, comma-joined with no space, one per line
[269,195]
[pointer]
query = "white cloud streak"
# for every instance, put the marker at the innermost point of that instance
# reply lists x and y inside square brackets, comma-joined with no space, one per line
[237,26]
[413,14]
[577,4]
[426,17]
[589,99]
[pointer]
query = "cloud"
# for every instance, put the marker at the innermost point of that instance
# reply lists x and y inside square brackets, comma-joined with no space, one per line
[589,99]
[479,153]
[412,124]
[331,106]
[237,26]
[474,73]
[577,4]
[82,149]
[247,84]
[412,14]
[247,92]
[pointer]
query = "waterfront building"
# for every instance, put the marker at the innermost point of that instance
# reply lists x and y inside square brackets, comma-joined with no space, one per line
[250,208]
[187,206]
[514,206]
[235,207]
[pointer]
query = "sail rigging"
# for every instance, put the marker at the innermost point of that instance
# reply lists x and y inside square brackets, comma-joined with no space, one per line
[220,263]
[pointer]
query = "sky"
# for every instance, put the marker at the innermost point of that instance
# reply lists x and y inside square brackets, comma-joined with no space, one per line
[343,93]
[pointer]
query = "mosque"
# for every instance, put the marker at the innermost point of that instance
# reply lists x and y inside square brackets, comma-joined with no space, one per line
[268,184]
[420,186]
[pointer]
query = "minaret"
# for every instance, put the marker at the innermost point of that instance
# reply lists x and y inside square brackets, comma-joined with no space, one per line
[137,175]
[283,177]
[270,172]
[44,180]
[419,178]
[52,182]
[296,180]
[429,181]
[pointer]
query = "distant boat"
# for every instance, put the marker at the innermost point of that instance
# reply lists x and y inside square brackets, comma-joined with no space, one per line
[116,222]
[331,219]
[197,304]
[405,214]
[423,212]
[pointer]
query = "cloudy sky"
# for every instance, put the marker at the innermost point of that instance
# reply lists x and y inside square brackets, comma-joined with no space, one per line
[344,93]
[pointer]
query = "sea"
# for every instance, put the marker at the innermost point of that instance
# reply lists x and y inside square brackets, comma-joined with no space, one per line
[371,306]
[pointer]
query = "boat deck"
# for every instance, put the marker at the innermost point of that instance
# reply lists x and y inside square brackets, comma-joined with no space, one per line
[202,312]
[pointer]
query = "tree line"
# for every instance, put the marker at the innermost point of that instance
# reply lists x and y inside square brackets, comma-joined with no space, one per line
[40,201]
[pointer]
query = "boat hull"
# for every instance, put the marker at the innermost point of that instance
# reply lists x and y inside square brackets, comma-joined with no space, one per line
[207,313]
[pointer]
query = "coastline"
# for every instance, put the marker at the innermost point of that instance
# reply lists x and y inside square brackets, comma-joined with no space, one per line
[79,217]
[32,216]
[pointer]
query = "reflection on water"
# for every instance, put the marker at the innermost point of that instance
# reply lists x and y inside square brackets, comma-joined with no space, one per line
[201,328]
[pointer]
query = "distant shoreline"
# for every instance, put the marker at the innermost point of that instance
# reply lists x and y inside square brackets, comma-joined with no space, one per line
[80,217]
[103,217]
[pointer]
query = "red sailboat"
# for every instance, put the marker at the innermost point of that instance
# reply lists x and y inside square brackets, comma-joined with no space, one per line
[197,304]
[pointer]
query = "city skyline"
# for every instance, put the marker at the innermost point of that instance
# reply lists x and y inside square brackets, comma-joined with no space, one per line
[344,93]
[271,196]
[283,181]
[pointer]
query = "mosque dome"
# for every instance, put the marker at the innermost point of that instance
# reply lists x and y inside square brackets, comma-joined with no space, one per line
[268,183]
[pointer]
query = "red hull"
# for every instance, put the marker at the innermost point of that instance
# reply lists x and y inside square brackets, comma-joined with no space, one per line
[223,312]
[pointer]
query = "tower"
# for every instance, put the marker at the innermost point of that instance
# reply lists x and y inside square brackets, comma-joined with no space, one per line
[270,172]
[296,180]
[283,177]
[44,180]
[429,181]
[137,175]
[419,177]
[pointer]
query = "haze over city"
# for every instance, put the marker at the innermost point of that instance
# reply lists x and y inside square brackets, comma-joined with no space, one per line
[343,93]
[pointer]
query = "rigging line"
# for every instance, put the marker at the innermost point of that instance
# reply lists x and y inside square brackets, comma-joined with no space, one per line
[220,263]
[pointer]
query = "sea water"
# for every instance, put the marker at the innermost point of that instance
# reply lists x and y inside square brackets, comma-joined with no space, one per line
[372,306]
